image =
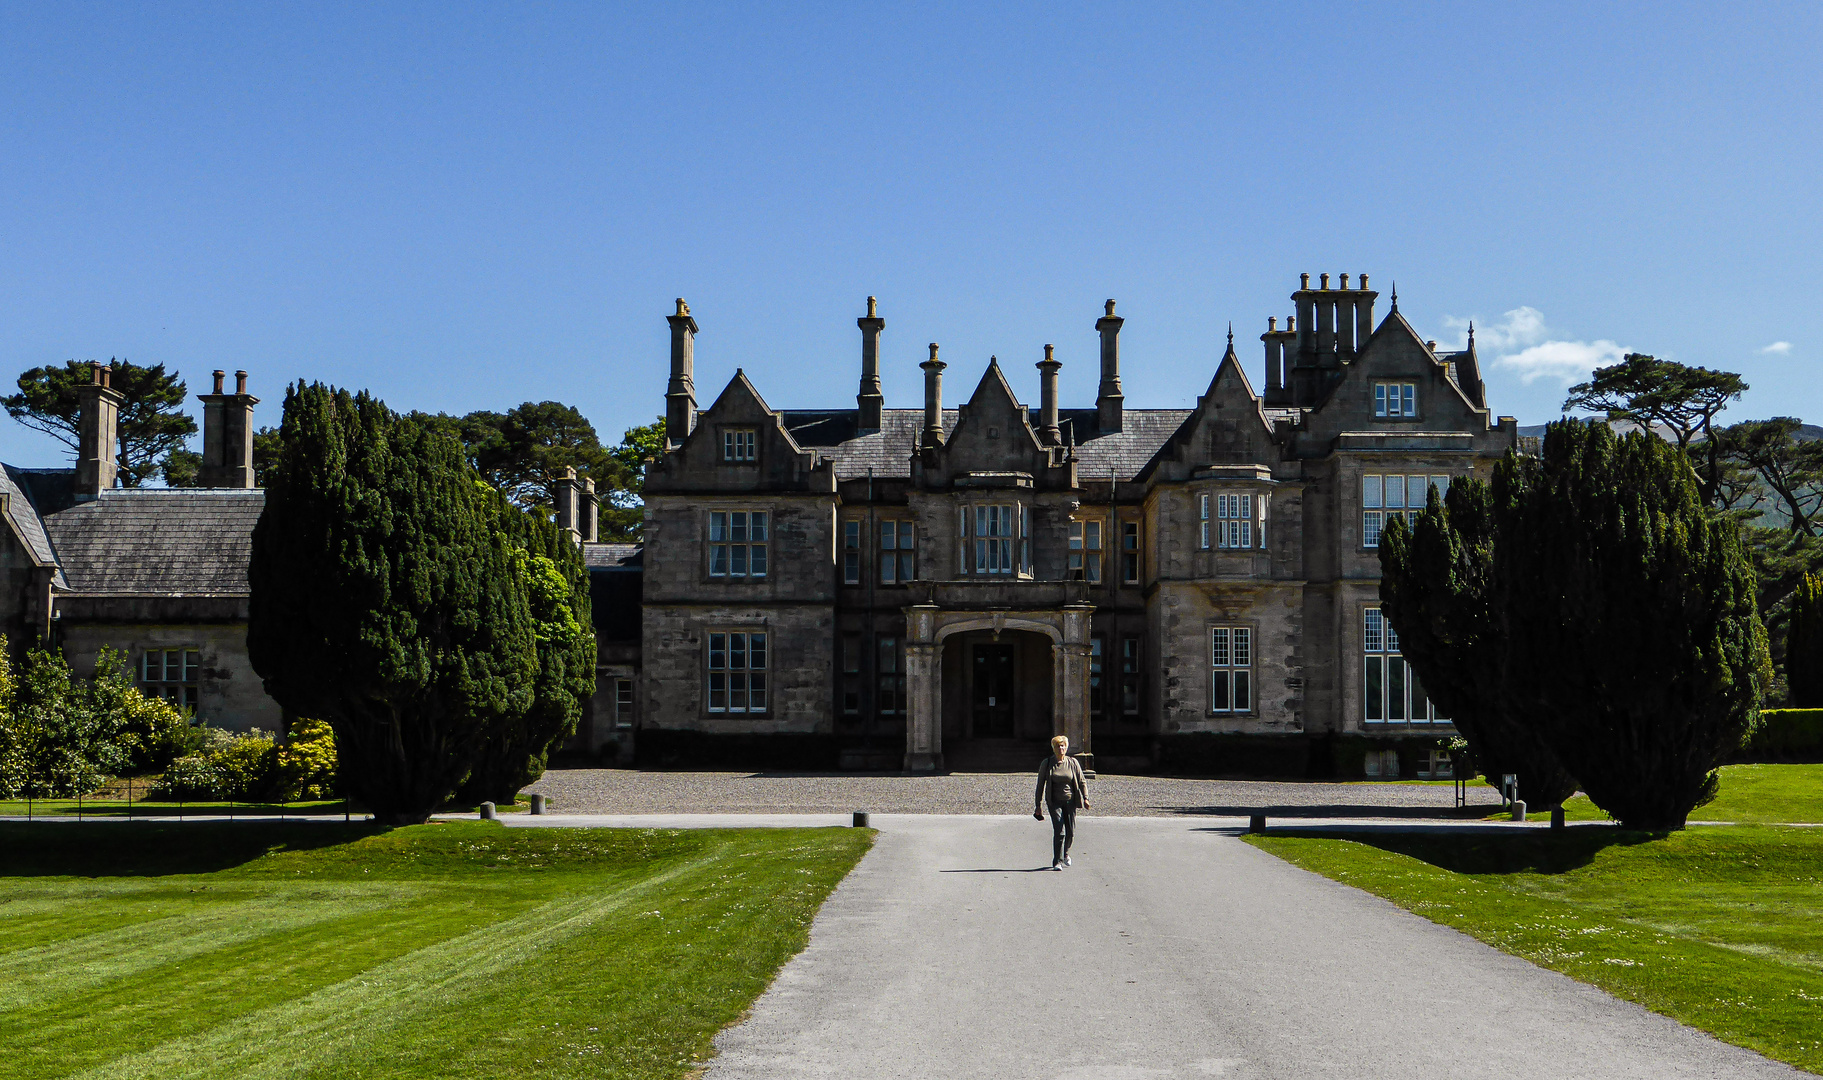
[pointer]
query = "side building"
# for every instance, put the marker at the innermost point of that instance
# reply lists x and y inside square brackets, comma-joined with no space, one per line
[921,589]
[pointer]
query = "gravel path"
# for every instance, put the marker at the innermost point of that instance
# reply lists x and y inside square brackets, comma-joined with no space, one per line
[624,791]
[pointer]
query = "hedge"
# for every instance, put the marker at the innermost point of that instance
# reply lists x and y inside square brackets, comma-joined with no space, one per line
[1786,735]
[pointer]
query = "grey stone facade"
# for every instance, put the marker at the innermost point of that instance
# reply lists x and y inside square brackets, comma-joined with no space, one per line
[932,591]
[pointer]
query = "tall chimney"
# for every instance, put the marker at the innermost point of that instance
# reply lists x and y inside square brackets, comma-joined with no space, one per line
[1275,358]
[933,398]
[870,400]
[97,433]
[1051,433]
[680,392]
[589,507]
[227,435]
[1109,399]
[1364,314]
[565,491]
[1306,321]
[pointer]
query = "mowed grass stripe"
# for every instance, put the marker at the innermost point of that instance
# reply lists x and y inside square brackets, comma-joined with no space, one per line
[73,966]
[289,1038]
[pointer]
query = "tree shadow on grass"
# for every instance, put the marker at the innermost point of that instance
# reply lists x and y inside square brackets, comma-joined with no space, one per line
[1507,852]
[154,849]
[1474,811]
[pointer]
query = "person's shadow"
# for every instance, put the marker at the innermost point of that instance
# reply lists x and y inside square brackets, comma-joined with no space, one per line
[1001,870]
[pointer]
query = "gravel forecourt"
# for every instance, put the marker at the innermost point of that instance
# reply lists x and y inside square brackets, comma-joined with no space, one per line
[626,791]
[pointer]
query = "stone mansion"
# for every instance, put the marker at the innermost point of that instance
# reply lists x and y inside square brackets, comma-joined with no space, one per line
[917,589]
[921,589]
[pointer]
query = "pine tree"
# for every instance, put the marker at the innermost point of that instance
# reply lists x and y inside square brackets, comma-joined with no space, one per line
[1435,588]
[1634,643]
[1804,645]
[386,601]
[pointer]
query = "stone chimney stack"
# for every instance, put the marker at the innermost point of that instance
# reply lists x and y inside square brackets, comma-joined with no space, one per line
[1364,314]
[98,433]
[680,392]
[566,491]
[1109,399]
[1051,433]
[227,435]
[870,401]
[933,398]
[589,507]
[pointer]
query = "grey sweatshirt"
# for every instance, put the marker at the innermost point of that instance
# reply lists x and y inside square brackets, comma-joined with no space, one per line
[1068,770]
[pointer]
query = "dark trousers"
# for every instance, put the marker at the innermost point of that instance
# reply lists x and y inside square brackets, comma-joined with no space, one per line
[1063,831]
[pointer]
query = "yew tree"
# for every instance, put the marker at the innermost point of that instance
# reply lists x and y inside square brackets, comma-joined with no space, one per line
[387,600]
[1437,589]
[1634,644]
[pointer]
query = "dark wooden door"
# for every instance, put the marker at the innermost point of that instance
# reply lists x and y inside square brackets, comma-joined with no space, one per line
[993,691]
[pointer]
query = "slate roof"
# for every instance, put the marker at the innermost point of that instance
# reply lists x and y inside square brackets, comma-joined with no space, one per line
[613,556]
[23,513]
[831,433]
[158,541]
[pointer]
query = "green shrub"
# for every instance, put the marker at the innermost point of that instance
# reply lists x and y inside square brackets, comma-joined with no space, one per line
[227,766]
[306,763]
[1786,735]
[61,736]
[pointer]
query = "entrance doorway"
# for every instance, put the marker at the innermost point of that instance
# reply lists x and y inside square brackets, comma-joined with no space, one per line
[991,683]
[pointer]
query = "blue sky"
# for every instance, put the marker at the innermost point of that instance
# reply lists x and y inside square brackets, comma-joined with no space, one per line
[466,207]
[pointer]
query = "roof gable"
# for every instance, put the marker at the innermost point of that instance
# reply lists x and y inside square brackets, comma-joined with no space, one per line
[1227,427]
[993,431]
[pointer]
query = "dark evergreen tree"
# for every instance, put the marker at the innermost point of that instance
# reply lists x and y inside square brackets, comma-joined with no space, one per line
[1436,588]
[387,601]
[550,568]
[1804,645]
[1635,646]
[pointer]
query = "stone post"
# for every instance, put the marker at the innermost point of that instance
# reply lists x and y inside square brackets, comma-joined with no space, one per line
[923,691]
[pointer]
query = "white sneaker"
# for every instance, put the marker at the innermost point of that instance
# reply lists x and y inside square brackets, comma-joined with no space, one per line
[1057,866]
[1066,860]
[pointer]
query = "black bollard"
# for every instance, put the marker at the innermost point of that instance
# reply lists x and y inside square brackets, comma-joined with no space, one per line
[860,819]
[1256,823]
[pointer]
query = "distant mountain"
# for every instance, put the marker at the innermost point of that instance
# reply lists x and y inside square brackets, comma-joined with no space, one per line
[1806,432]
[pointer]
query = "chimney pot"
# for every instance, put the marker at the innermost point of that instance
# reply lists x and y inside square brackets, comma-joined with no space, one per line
[1431,345]
[1272,324]
[1345,281]
[1303,281]
[1108,309]
[107,375]
[1363,282]
[94,373]
[1325,280]
[219,376]
[1291,324]
[872,307]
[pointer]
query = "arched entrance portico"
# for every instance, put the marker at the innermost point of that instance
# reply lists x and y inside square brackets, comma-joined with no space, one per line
[928,627]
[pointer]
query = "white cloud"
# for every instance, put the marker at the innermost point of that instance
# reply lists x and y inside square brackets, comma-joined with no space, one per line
[1566,361]
[1778,348]
[1518,328]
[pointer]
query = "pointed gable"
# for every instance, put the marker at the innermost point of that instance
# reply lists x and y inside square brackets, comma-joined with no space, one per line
[1227,427]
[1397,355]
[994,431]
[740,444]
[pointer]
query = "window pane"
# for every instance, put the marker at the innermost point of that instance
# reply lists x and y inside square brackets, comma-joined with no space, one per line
[718,560]
[1416,488]
[756,651]
[905,536]
[718,651]
[1203,507]
[851,534]
[889,655]
[758,568]
[1370,528]
[980,556]
[905,566]
[718,691]
[1370,492]
[192,665]
[737,560]
[1421,712]
[851,568]
[851,654]
[1129,536]
[737,691]
[759,525]
[1392,636]
[1395,492]
[1442,484]
[1076,535]
[887,538]
[718,526]
[737,651]
[756,692]
[1395,689]
[1375,696]
[1411,399]
[1372,633]
[1243,691]
[1243,647]
[1246,534]
[1380,399]
[1205,538]
[1219,700]
[1218,647]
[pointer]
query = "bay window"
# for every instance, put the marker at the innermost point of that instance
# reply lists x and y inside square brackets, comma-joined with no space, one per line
[1232,521]
[999,532]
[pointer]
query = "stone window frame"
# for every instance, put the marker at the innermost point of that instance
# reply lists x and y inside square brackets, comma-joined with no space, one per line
[969,560]
[750,546]
[740,445]
[1083,562]
[1396,399]
[624,702]
[747,632]
[156,675]
[1232,512]
[901,559]
[1251,628]
[1387,647]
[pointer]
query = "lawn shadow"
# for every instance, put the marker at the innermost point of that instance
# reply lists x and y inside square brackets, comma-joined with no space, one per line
[1472,812]
[1532,851]
[153,849]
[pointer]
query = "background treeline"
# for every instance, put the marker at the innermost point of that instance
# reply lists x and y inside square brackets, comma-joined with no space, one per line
[522,451]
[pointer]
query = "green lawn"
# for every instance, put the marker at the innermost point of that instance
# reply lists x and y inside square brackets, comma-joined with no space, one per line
[1721,928]
[1749,793]
[445,950]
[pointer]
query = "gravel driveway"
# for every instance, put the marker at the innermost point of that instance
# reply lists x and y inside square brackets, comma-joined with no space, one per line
[625,791]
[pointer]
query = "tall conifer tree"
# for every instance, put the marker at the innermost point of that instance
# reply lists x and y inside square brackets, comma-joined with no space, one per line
[1804,645]
[1435,587]
[386,600]
[1632,632]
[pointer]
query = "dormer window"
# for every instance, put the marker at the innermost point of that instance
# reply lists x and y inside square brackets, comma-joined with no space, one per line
[1396,401]
[740,444]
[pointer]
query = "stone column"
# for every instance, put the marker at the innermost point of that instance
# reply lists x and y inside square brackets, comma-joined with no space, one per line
[923,691]
[1070,675]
